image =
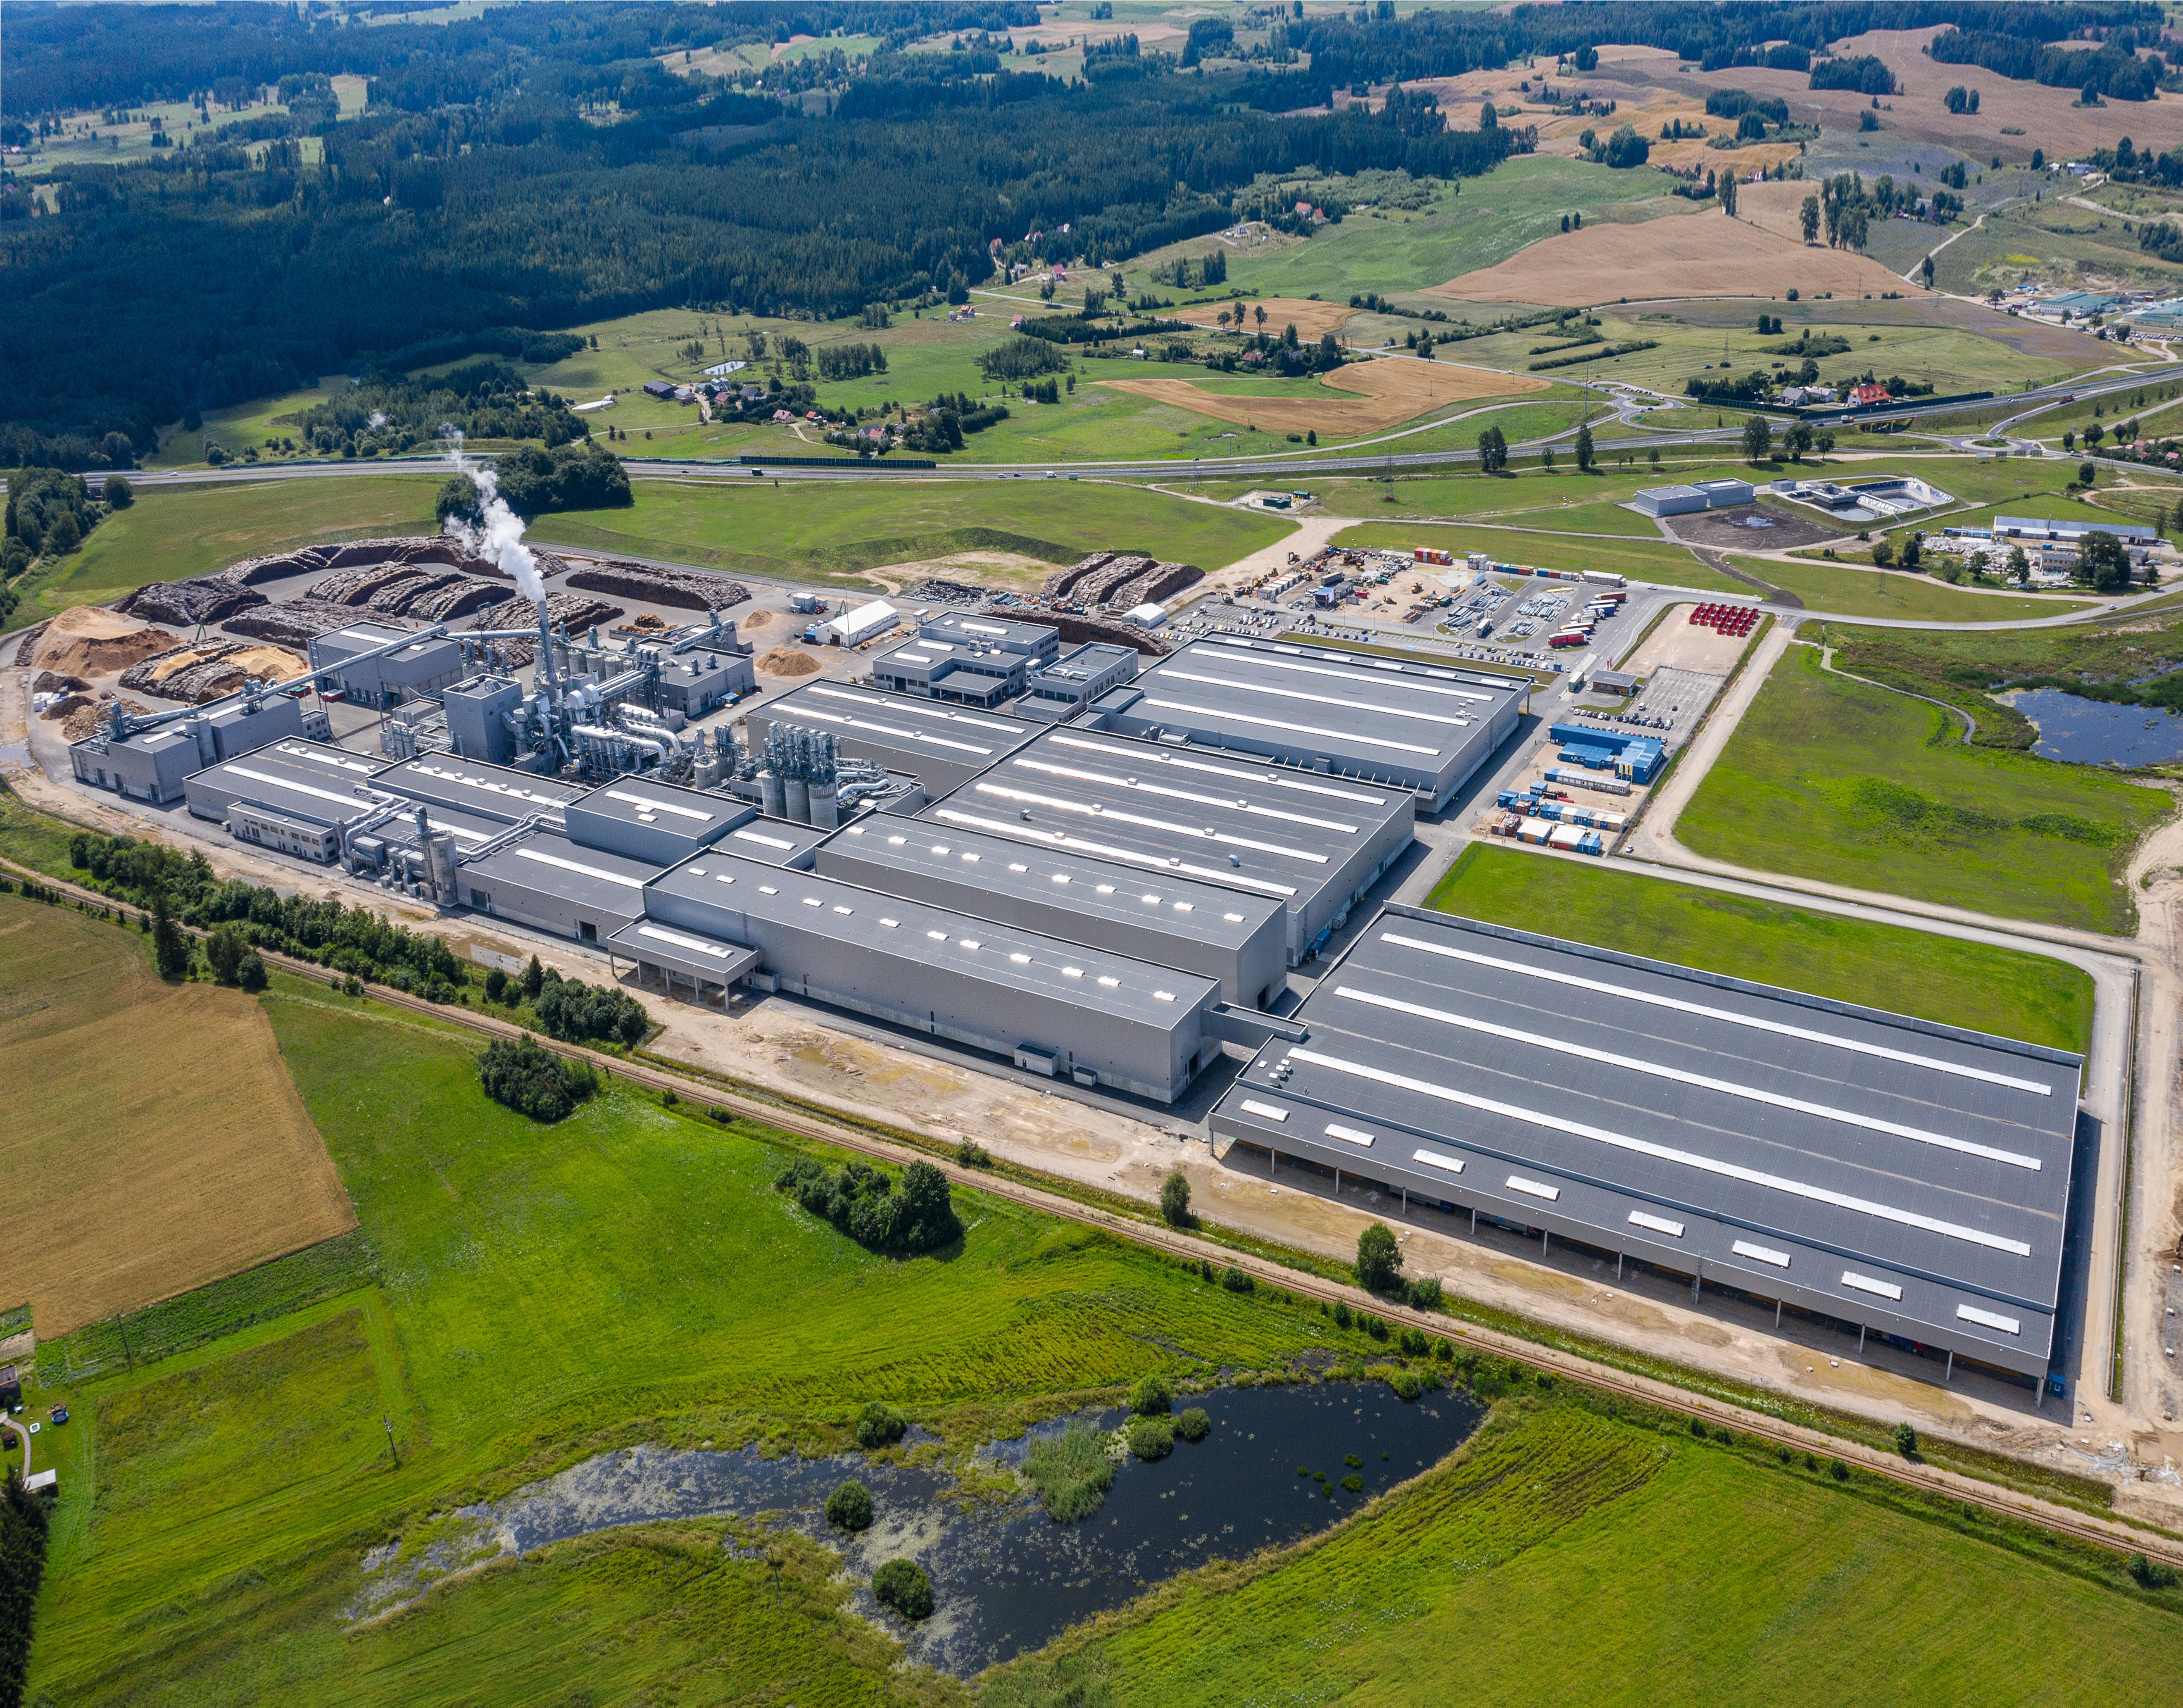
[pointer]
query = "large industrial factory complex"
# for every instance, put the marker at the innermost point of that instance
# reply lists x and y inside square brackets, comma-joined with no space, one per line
[1103,871]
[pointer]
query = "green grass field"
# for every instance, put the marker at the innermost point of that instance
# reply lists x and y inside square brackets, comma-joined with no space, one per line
[1847,590]
[838,531]
[1587,1559]
[544,1294]
[168,535]
[1829,779]
[1943,979]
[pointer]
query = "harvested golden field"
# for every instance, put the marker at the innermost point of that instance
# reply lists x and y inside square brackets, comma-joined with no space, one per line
[154,1141]
[1391,392]
[1310,319]
[1696,254]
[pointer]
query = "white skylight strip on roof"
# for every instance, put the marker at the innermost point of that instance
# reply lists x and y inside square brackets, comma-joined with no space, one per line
[911,709]
[1681,1077]
[355,804]
[1533,1189]
[1266,1110]
[600,872]
[1229,714]
[1199,833]
[1105,851]
[1275,779]
[438,829]
[1230,803]
[1260,659]
[652,805]
[1989,1319]
[1318,699]
[1865,1283]
[1778,1027]
[754,837]
[1348,1135]
[1763,1253]
[1665,1153]
[1438,1158]
[1658,1224]
[719,952]
[319,756]
[922,737]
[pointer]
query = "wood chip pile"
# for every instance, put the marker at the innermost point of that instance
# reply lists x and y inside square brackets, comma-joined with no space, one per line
[296,622]
[430,593]
[575,612]
[206,672]
[202,599]
[427,551]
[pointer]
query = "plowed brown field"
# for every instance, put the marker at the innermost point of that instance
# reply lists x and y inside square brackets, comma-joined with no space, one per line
[153,1140]
[1391,392]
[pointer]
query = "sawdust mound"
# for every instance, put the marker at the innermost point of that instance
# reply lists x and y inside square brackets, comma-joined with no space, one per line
[787,661]
[50,682]
[84,719]
[758,620]
[91,641]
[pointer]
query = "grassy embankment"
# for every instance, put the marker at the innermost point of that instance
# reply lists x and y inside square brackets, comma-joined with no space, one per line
[837,532]
[1593,1556]
[1943,979]
[1845,590]
[168,534]
[1828,779]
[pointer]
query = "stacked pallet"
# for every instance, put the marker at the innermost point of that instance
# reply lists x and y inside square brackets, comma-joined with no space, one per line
[655,584]
[202,599]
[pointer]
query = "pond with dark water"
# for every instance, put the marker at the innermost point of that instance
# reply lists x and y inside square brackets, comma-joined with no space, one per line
[2094,733]
[1005,1577]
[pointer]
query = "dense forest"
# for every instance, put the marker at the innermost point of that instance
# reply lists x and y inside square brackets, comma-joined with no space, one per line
[533,168]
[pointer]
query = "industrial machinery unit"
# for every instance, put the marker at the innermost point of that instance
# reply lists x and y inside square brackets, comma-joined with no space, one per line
[379,664]
[1063,689]
[150,759]
[802,778]
[942,746]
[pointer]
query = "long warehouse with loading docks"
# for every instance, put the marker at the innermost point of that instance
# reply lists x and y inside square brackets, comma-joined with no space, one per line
[1888,1173]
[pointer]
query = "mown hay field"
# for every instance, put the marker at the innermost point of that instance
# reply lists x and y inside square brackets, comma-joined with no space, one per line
[154,1141]
[1391,392]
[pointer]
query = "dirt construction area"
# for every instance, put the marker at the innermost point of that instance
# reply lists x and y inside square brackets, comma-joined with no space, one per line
[153,1140]
[1752,528]
[1391,392]
[1702,254]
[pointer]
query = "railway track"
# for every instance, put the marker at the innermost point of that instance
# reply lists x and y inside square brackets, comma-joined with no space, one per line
[2114,1535]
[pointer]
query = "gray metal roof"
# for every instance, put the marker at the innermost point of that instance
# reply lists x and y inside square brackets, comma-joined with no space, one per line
[1365,714]
[305,780]
[494,792]
[1797,1141]
[637,800]
[467,830]
[777,841]
[1220,818]
[969,629]
[938,939]
[614,883]
[902,722]
[1061,878]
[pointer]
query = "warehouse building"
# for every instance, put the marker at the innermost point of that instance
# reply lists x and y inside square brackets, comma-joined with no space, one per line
[2072,533]
[650,820]
[487,791]
[553,884]
[777,841]
[1063,689]
[1415,726]
[943,747]
[1698,495]
[295,797]
[1889,1174]
[1050,1006]
[694,683]
[154,765]
[1241,941]
[425,668]
[1314,844]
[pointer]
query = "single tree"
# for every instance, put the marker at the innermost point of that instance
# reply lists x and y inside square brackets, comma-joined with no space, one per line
[1808,216]
[1757,440]
[2019,567]
[224,952]
[1883,551]
[1906,1441]
[1728,194]
[1175,1200]
[118,492]
[1493,451]
[2068,439]
[850,1507]
[2102,561]
[170,949]
[533,979]
[2086,473]
[1584,451]
[1260,313]
[1913,550]
[1379,1259]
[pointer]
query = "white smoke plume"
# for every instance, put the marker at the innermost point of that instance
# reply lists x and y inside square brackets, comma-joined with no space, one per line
[498,533]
